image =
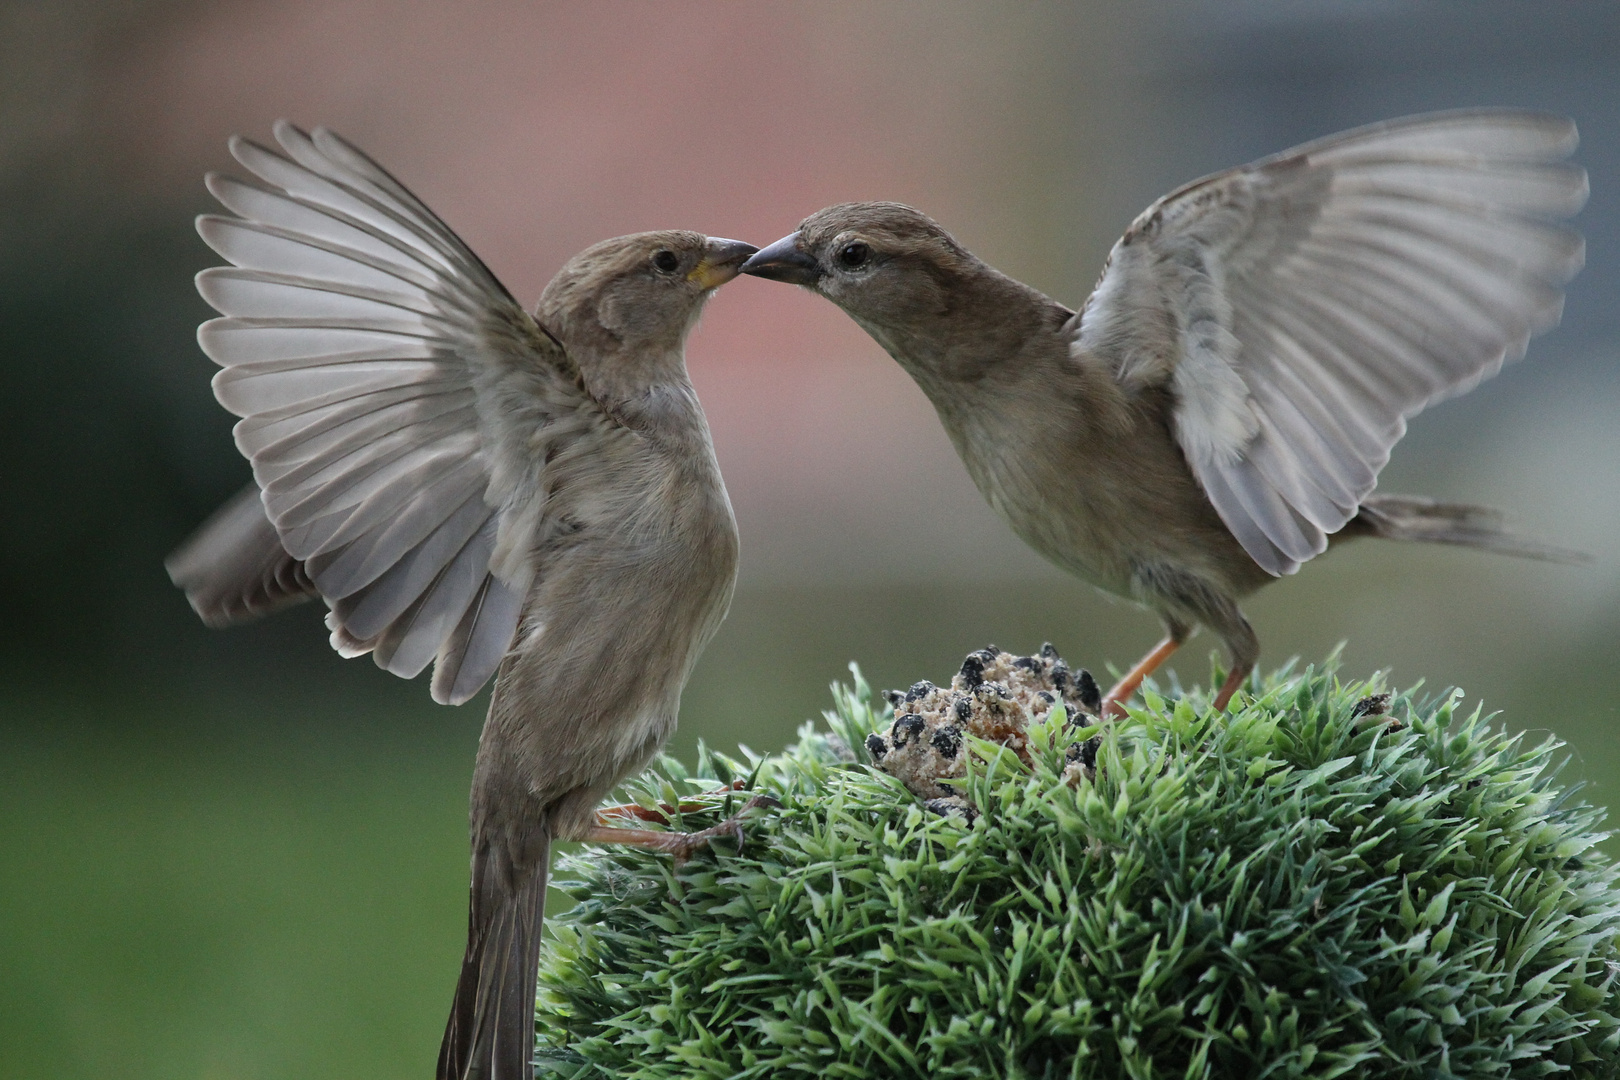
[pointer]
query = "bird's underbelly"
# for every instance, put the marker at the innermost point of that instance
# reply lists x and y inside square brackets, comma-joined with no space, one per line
[591,688]
[1105,516]
[1072,536]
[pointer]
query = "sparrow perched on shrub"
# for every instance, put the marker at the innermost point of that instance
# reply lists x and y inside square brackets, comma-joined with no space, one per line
[1218,411]
[530,497]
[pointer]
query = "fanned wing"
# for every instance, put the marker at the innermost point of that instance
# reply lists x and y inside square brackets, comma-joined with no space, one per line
[366,350]
[1303,307]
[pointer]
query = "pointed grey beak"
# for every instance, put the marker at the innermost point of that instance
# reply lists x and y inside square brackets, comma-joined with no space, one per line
[722,260]
[784,261]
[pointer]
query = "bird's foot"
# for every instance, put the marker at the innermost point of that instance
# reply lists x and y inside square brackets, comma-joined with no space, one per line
[662,812]
[1234,679]
[682,845]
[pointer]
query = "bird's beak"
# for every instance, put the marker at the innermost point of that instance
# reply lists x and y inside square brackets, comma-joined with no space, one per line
[722,261]
[784,261]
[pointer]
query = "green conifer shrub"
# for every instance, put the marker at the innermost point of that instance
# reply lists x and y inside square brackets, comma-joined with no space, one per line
[1289,889]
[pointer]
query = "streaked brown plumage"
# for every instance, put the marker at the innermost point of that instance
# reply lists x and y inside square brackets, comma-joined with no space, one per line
[535,498]
[1222,405]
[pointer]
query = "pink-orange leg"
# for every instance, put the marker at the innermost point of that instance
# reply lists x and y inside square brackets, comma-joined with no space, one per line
[663,812]
[680,844]
[1230,686]
[1113,702]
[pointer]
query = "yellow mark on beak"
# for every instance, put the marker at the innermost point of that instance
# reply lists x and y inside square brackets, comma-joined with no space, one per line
[721,262]
[711,275]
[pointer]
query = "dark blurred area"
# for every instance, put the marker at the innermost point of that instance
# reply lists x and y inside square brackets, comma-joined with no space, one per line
[234,855]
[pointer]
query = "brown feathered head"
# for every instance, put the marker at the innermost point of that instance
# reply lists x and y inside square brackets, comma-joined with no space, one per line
[879,261]
[641,293]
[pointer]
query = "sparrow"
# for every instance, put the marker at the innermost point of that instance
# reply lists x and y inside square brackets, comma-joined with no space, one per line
[530,497]
[1217,412]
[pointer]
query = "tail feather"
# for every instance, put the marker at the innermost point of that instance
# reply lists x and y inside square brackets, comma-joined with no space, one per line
[1413,517]
[233,568]
[490,1035]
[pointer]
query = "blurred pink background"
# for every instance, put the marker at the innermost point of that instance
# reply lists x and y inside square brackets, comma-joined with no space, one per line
[537,129]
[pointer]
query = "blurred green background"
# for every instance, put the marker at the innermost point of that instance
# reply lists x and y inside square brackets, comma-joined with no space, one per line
[233,855]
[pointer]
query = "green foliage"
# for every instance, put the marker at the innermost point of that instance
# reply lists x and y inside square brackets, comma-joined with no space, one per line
[1287,890]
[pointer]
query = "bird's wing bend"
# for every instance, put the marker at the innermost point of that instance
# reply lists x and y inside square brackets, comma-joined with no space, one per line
[395,403]
[1301,308]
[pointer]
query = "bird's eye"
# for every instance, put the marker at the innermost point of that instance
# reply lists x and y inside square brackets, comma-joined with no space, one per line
[853,256]
[666,261]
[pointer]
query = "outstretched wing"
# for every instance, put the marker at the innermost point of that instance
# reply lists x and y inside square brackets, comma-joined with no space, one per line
[396,404]
[1303,307]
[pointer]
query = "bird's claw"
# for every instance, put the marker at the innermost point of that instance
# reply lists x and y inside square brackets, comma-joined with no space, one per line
[660,813]
[684,845]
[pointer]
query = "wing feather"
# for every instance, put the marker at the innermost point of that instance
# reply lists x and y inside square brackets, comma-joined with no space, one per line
[309,517]
[410,643]
[255,433]
[479,644]
[308,176]
[263,294]
[1323,296]
[284,215]
[369,611]
[280,392]
[353,566]
[253,246]
[367,351]
[335,428]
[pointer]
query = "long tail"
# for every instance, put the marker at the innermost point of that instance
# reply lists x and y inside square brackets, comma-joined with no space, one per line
[490,1035]
[1412,517]
[233,568]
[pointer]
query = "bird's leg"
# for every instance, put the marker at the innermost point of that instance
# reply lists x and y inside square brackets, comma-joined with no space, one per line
[1233,680]
[1113,702]
[680,844]
[1241,644]
[662,812]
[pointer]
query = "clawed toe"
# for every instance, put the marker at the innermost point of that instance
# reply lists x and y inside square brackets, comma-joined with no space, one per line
[682,845]
[685,845]
[661,813]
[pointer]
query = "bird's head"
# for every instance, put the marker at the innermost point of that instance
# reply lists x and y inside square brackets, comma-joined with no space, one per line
[640,294]
[884,263]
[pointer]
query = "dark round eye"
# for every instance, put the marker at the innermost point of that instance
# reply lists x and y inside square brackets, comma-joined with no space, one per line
[852,256]
[666,261]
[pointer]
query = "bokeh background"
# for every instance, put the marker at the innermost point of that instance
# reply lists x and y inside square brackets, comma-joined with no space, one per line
[234,856]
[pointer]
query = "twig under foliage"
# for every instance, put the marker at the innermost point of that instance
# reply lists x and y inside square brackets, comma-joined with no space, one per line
[1293,889]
